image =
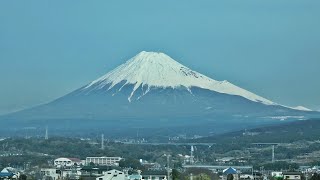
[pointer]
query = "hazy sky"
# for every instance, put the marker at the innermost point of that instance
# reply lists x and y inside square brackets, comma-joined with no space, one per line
[269,47]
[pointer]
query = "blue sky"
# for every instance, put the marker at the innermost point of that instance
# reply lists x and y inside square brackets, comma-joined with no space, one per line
[269,47]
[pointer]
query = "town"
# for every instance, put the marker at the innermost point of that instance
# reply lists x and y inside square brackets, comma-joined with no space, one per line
[22,158]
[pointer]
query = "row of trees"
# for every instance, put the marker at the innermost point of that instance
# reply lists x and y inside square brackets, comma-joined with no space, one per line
[41,152]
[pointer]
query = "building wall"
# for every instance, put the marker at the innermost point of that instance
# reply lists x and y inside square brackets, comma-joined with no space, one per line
[154,177]
[104,161]
[276,174]
[50,172]
[135,177]
[114,175]
[292,176]
[64,162]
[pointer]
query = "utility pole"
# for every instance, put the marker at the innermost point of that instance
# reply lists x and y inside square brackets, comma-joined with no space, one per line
[272,153]
[191,155]
[168,165]
[102,141]
[137,134]
[46,135]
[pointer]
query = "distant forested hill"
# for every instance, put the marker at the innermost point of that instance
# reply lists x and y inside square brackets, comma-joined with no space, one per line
[283,133]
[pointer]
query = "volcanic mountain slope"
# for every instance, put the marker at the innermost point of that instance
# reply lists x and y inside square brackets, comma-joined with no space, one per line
[149,69]
[153,90]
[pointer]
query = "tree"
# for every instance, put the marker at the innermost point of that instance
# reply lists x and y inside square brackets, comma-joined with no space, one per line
[130,162]
[199,174]
[175,174]
[315,176]
[203,176]
[23,177]
[229,177]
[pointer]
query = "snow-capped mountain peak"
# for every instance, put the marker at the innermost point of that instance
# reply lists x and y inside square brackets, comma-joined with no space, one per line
[155,69]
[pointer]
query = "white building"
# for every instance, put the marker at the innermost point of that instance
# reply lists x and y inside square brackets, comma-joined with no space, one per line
[104,161]
[66,162]
[276,174]
[56,174]
[114,175]
[50,172]
[246,176]
[292,175]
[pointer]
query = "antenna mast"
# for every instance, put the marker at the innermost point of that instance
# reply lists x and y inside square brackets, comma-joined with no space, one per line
[46,136]
[272,153]
[102,141]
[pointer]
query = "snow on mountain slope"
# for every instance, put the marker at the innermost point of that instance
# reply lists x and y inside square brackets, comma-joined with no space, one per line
[301,108]
[153,69]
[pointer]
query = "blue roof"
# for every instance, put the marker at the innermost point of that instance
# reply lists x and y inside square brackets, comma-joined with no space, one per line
[230,170]
[6,174]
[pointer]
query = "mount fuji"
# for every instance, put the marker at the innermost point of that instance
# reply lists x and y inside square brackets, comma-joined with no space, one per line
[152,91]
